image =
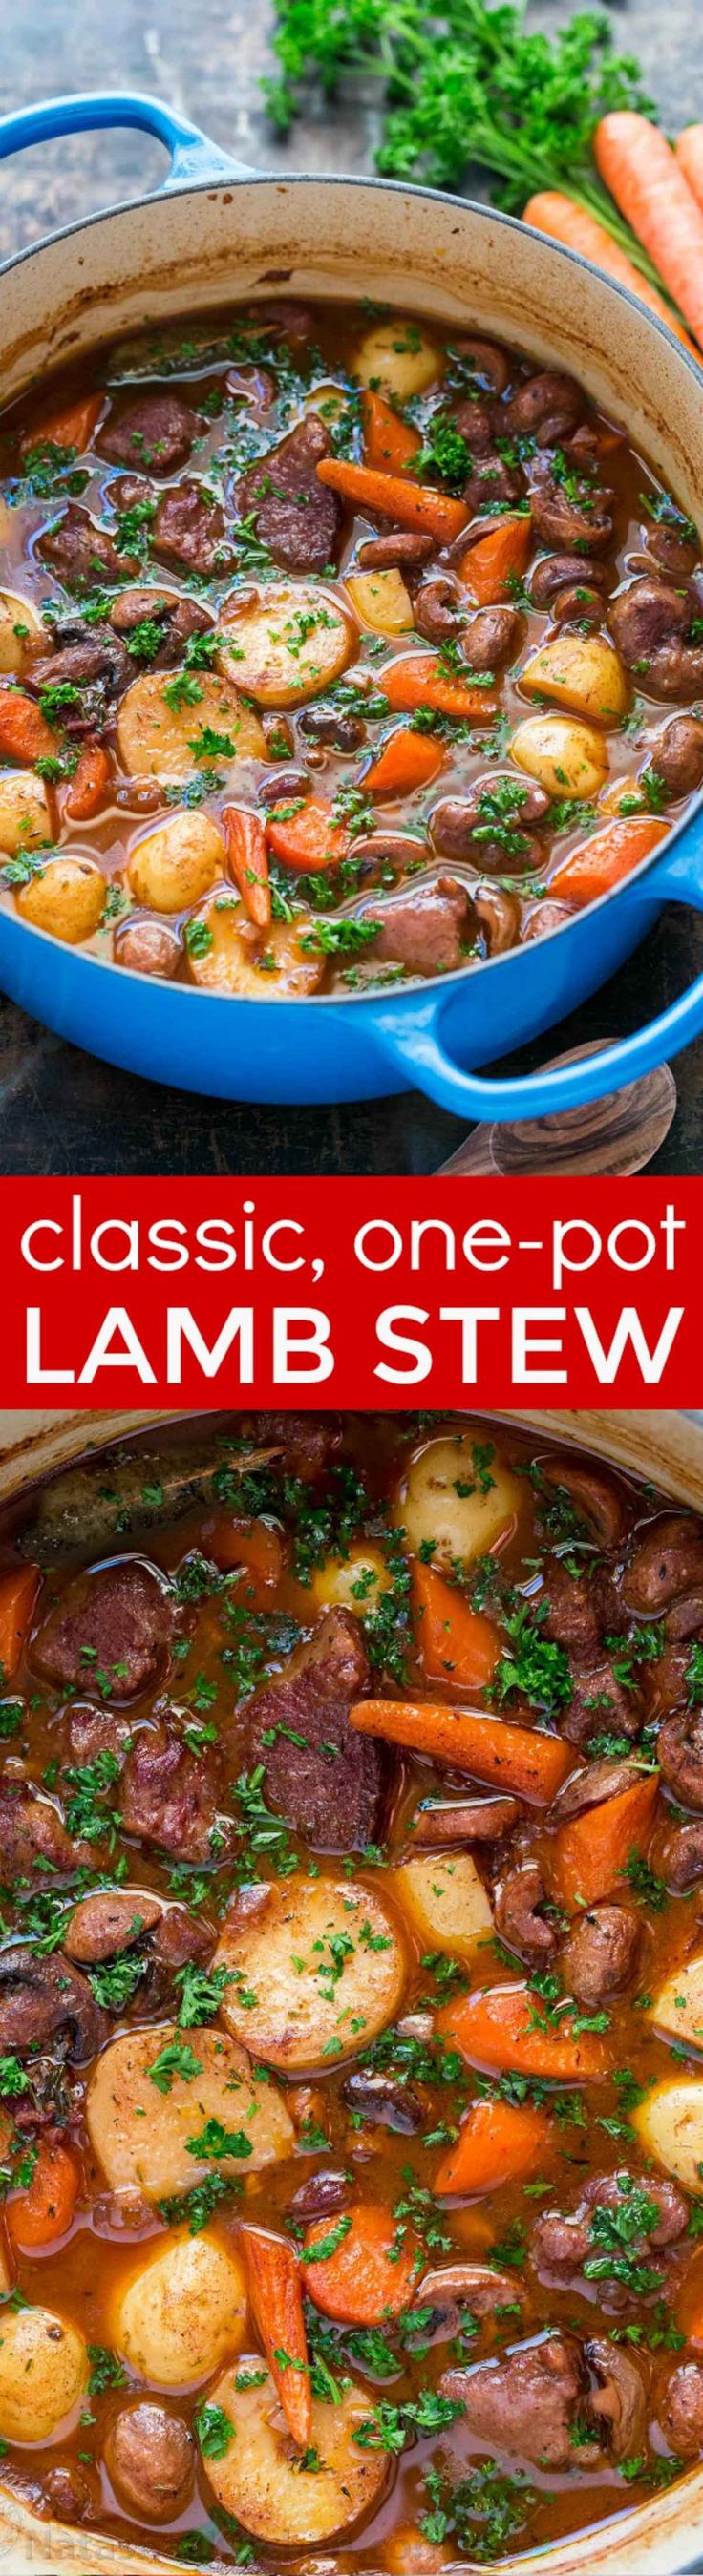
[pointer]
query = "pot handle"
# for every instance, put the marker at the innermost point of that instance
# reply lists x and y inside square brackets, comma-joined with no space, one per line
[419,1054]
[193,156]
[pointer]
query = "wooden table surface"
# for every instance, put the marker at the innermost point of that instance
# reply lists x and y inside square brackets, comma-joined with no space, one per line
[61,1110]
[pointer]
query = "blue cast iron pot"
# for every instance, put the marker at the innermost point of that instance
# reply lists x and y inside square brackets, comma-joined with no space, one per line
[216,233]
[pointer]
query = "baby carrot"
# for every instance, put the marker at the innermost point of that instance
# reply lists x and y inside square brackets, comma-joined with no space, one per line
[550,212]
[89,784]
[277,2305]
[412,505]
[44,2211]
[245,841]
[650,188]
[521,1758]
[24,732]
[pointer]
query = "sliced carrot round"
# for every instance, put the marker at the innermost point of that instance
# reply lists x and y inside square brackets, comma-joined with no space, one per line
[498,2142]
[370,2272]
[505,2028]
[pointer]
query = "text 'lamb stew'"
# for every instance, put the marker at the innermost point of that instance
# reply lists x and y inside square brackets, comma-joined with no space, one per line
[334,652]
[351,1994]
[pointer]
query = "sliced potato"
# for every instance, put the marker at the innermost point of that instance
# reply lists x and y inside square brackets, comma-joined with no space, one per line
[568,758]
[263,2481]
[155,739]
[582,673]
[398,357]
[302,2008]
[380,600]
[270,967]
[460,1524]
[141,2133]
[285,643]
[19,627]
[174,866]
[678,2007]
[25,812]
[43,2373]
[68,898]
[352,1582]
[670,2124]
[446,1901]
[182,2311]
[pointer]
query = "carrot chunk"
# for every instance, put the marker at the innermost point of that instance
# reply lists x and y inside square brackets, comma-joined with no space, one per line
[89,784]
[498,2142]
[248,1543]
[487,567]
[498,2029]
[599,864]
[309,839]
[277,2304]
[517,1757]
[18,1592]
[44,2211]
[407,760]
[412,505]
[590,1852]
[389,442]
[417,680]
[455,1643]
[369,2274]
[24,733]
[246,850]
[71,426]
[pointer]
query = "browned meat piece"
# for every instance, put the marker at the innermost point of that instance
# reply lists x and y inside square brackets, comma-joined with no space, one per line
[283,319]
[440,608]
[651,625]
[685,1618]
[477,425]
[466,1820]
[556,573]
[524,2404]
[115,1622]
[69,2492]
[680,1854]
[600,1701]
[519,1899]
[489,637]
[562,2243]
[322,2195]
[669,2202]
[333,728]
[425,928]
[254,386]
[174,620]
[547,408]
[666,1560]
[617,2408]
[80,554]
[572,1617]
[308,1442]
[150,2457]
[461,825]
[330,1796]
[596,1499]
[484,360]
[294,513]
[573,519]
[152,432]
[491,480]
[176,1938]
[681,2413]
[190,529]
[384,2103]
[104,1924]
[600,1955]
[33,1837]
[589,1787]
[168,1796]
[92,1731]
[90,659]
[680,1755]
[148,948]
[42,1996]
[677,756]
[404,548]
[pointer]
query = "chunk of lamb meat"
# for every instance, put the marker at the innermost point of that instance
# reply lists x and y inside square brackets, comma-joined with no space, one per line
[578,1608]
[150,2457]
[680,1755]
[308,1442]
[491,480]
[681,2413]
[547,408]
[34,1839]
[92,1731]
[598,1503]
[679,1855]
[600,1701]
[116,1621]
[666,1561]
[425,929]
[333,1798]
[600,1955]
[677,756]
[168,1796]
[519,1919]
[42,1998]
[152,432]
[653,626]
[562,2243]
[617,2407]
[172,620]
[91,659]
[525,2404]
[573,520]
[81,555]
[294,513]
[190,529]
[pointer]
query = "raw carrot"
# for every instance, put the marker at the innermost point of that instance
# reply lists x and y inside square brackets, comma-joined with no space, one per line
[24,732]
[89,783]
[520,1758]
[251,1544]
[412,505]
[599,864]
[649,186]
[277,2307]
[309,838]
[72,426]
[498,2142]
[590,1852]
[551,213]
[455,1643]
[486,567]
[496,2029]
[417,680]
[18,1592]
[389,442]
[369,2274]
[689,154]
[245,838]
[407,760]
[44,2211]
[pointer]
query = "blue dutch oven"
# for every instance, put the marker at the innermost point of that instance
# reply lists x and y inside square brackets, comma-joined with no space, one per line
[215,233]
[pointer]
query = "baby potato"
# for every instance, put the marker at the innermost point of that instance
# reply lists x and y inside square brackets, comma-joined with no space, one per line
[678,2007]
[442,1501]
[352,1582]
[182,2311]
[670,2124]
[144,2137]
[398,358]
[176,864]
[268,967]
[582,673]
[43,2373]
[380,600]
[276,1942]
[445,1901]
[25,812]
[568,758]
[155,739]
[285,643]
[68,898]
[261,2480]
[19,624]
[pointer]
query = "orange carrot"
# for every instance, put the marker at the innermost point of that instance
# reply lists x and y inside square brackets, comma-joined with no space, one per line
[18,1592]
[486,567]
[551,213]
[412,505]
[406,760]
[689,154]
[417,680]
[389,442]
[248,1543]
[590,1852]
[89,784]
[520,1758]
[370,2274]
[246,850]
[496,2029]
[611,854]
[498,2142]
[455,1643]
[649,186]
[308,839]
[277,2307]
[44,2211]
[24,732]
[72,426]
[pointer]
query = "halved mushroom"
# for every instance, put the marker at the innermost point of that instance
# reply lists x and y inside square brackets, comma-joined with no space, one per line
[319,1967]
[42,1996]
[147,2109]
[260,2477]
